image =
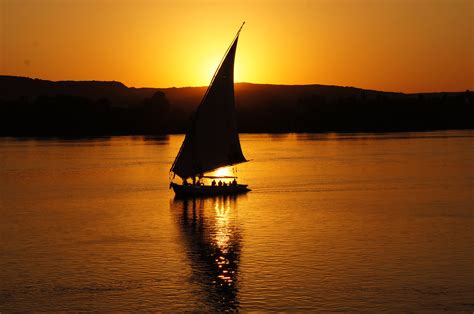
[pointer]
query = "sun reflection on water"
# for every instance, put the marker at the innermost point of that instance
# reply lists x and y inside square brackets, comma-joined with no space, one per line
[212,241]
[222,233]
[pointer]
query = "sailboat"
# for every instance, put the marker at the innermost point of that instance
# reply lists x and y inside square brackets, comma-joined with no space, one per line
[212,141]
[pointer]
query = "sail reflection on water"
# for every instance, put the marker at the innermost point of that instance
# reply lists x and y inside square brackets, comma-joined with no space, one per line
[212,240]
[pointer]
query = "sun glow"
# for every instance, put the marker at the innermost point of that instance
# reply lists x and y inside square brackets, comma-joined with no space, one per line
[223,172]
[209,67]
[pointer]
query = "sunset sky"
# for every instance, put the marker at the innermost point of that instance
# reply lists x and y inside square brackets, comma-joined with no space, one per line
[391,45]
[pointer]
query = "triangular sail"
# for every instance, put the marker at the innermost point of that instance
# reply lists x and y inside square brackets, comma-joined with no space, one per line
[213,140]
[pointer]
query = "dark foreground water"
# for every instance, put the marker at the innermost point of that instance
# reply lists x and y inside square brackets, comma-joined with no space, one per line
[334,222]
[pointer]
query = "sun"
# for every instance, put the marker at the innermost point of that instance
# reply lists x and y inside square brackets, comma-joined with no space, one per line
[208,69]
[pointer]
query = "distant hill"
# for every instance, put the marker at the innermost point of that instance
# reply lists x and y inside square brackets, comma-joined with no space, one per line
[117,94]
[33,107]
[250,95]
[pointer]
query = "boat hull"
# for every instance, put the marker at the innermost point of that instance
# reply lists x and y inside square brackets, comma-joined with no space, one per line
[206,190]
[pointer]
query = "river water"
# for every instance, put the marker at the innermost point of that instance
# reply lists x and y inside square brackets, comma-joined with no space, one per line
[334,222]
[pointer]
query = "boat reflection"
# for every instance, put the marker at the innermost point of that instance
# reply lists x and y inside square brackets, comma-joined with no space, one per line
[213,244]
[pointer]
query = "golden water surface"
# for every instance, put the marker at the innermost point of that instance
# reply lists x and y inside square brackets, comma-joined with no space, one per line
[334,222]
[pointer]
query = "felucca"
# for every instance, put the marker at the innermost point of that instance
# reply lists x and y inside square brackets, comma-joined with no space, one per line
[212,141]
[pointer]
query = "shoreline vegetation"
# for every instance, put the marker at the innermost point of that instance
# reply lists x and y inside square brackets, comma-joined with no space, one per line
[41,108]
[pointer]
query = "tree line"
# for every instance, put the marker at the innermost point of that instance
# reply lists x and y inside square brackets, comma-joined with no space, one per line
[358,111]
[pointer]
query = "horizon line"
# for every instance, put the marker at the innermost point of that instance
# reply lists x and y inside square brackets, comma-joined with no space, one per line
[273,84]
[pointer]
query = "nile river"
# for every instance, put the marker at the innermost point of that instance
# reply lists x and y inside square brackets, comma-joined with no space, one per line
[334,222]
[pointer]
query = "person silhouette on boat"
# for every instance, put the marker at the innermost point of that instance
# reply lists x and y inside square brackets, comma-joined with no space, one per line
[220,183]
[234,182]
[213,182]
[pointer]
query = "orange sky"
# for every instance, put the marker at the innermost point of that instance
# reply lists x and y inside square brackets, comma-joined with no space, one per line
[391,45]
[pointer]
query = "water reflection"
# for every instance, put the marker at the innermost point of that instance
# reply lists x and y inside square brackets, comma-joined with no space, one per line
[278,136]
[212,240]
[371,136]
[156,139]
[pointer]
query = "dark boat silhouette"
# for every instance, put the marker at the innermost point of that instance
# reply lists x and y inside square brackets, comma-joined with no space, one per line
[212,141]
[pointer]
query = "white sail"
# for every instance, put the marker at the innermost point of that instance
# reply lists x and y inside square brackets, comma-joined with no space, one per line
[213,140]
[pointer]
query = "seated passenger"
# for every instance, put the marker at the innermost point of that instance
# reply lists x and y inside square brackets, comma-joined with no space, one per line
[220,183]
[213,182]
[234,182]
